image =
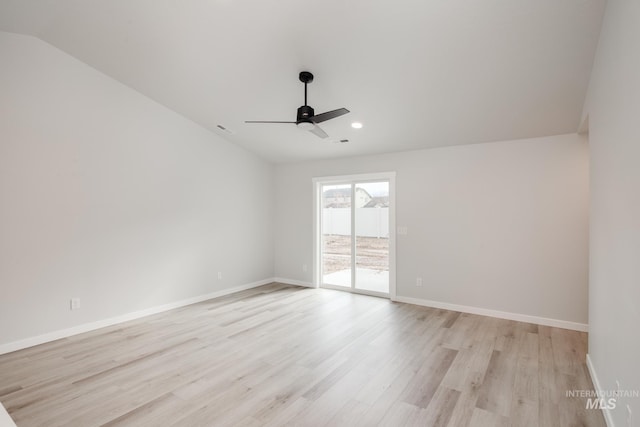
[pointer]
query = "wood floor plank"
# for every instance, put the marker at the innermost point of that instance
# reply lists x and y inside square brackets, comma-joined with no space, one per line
[284,355]
[482,418]
[400,414]
[441,408]
[350,414]
[426,381]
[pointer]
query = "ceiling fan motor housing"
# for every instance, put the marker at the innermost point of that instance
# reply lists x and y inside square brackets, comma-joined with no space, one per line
[304,114]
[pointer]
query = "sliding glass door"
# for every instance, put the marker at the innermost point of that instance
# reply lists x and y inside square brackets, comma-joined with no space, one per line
[372,236]
[354,234]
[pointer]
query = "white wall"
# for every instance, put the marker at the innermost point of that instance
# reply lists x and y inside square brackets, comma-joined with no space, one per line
[108,196]
[613,109]
[501,226]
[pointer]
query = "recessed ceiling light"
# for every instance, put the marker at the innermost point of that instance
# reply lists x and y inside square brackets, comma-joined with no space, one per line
[356,125]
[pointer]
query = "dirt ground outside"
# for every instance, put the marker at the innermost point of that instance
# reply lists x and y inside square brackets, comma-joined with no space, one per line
[371,253]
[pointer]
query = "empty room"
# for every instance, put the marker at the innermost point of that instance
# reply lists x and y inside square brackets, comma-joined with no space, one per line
[340,213]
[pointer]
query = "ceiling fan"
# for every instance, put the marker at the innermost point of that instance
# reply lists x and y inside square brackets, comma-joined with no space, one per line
[306,118]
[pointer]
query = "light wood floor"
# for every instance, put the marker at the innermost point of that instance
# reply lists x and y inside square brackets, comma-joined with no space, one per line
[282,355]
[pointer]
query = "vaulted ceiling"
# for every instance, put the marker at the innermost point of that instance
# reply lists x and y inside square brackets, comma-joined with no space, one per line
[416,73]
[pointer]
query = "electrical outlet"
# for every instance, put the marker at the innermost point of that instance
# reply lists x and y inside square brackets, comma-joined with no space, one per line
[219,275]
[419,281]
[403,231]
[304,267]
[74,303]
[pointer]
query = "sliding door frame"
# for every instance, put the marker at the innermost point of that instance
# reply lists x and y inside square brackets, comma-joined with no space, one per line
[318,182]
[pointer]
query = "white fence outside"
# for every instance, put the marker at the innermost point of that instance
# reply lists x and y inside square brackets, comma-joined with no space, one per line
[370,222]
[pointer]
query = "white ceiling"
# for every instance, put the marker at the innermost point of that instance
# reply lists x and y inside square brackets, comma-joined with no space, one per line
[416,73]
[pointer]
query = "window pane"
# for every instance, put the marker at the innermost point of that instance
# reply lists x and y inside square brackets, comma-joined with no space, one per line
[336,235]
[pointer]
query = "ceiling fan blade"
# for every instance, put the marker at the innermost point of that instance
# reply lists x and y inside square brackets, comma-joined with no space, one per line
[323,117]
[263,121]
[317,131]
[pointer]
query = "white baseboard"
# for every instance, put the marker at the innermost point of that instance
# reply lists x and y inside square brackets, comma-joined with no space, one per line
[86,327]
[564,324]
[293,282]
[596,384]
